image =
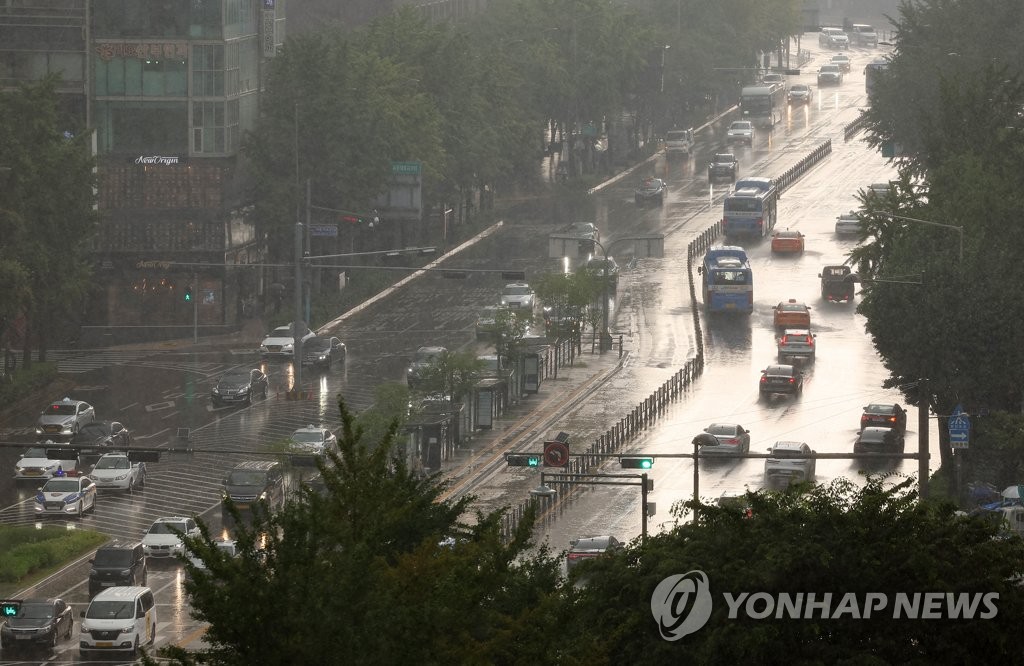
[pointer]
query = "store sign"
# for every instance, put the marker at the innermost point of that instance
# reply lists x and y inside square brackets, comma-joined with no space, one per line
[153,264]
[142,50]
[165,160]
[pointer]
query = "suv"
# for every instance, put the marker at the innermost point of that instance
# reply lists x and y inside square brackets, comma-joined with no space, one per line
[799,93]
[117,564]
[879,440]
[723,165]
[796,343]
[254,480]
[833,38]
[830,74]
[863,34]
[838,283]
[787,463]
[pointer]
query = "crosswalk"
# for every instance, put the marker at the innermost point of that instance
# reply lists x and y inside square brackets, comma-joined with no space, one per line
[76,361]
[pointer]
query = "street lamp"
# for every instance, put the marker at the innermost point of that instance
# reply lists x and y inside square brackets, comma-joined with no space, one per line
[959,229]
[663,49]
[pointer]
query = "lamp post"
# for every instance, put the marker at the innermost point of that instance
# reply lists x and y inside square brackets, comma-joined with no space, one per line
[959,229]
[664,48]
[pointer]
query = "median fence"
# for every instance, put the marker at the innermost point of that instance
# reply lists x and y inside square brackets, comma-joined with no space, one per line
[854,127]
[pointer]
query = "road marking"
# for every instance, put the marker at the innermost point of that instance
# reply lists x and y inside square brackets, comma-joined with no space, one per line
[195,635]
[128,406]
[169,415]
[172,396]
[159,406]
[159,432]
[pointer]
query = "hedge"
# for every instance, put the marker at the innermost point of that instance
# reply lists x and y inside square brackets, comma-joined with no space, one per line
[25,551]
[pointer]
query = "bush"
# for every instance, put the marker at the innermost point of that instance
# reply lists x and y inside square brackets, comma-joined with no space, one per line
[25,381]
[26,551]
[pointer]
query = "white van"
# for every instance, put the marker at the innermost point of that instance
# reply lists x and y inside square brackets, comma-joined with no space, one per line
[679,142]
[119,619]
[833,38]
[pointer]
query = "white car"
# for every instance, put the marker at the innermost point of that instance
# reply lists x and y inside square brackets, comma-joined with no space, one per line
[162,541]
[33,464]
[740,131]
[784,466]
[63,418]
[848,224]
[116,471]
[66,496]
[281,342]
[518,296]
[315,440]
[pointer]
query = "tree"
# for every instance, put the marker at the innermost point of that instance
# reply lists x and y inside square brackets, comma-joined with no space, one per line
[380,568]
[835,539]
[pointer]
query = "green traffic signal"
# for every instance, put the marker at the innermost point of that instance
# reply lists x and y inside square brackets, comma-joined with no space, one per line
[188,294]
[522,460]
[636,462]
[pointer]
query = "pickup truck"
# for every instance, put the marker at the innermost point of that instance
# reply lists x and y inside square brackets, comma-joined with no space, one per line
[838,283]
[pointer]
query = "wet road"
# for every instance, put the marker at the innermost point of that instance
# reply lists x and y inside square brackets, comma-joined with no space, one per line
[156,391]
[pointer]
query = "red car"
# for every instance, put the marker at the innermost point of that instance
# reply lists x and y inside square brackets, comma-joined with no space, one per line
[792,314]
[885,416]
[787,240]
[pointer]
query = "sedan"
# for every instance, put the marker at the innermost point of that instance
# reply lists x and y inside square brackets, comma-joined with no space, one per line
[315,440]
[830,74]
[842,61]
[730,439]
[117,472]
[66,496]
[63,418]
[781,379]
[323,352]
[589,548]
[800,93]
[723,165]
[848,224]
[100,436]
[162,540]
[35,621]
[740,131]
[34,464]
[239,386]
[788,464]
[792,314]
[601,268]
[879,440]
[787,241]
[518,296]
[886,415]
[650,190]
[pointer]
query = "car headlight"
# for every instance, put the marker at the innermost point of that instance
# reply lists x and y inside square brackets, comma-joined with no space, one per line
[287,347]
[121,478]
[323,357]
[244,389]
[39,430]
[128,629]
[216,390]
[263,496]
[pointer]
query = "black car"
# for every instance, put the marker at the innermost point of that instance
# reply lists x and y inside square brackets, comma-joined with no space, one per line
[98,437]
[877,439]
[884,415]
[601,268]
[117,564]
[323,352]
[781,379]
[239,386]
[652,189]
[35,622]
[723,165]
[590,547]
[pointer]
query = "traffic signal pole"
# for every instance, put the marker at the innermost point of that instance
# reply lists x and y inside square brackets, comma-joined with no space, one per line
[195,309]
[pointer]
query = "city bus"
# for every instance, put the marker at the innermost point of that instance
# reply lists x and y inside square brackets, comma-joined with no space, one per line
[764,104]
[871,72]
[728,282]
[751,210]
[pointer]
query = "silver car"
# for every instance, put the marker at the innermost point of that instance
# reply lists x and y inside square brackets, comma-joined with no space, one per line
[519,296]
[848,224]
[788,464]
[63,418]
[730,439]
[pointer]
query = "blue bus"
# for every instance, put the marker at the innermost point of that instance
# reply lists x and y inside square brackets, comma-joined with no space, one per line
[728,282]
[752,209]
[763,104]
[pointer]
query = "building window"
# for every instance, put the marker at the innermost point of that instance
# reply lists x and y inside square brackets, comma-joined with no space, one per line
[215,127]
[142,128]
[208,70]
[182,19]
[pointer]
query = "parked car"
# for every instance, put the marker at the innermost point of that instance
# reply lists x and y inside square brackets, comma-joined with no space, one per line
[723,165]
[838,283]
[874,439]
[565,321]
[117,564]
[323,352]
[651,190]
[63,418]
[117,472]
[842,61]
[887,415]
[589,548]
[792,314]
[830,75]
[163,539]
[800,93]
[848,224]
[787,241]
[280,343]
[786,465]
[781,378]
[731,439]
[424,358]
[740,131]
[314,440]
[34,464]
[66,496]
[879,189]
[796,344]
[239,386]
[100,436]
[34,622]
[518,296]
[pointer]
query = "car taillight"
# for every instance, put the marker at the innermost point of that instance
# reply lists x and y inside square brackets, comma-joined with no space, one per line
[732,441]
[792,380]
[892,419]
[760,223]
[764,379]
[574,556]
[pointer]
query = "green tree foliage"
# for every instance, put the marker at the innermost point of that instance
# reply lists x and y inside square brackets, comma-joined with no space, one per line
[46,205]
[838,538]
[452,374]
[379,568]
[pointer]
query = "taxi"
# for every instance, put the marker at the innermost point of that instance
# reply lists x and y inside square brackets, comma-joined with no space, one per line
[792,314]
[787,241]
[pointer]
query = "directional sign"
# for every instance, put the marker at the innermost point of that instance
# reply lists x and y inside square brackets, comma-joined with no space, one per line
[323,230]
[959,428]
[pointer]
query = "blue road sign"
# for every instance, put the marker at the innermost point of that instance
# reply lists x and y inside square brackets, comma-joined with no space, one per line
[959,428]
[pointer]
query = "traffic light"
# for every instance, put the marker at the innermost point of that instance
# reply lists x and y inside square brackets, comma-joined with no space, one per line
[522,459]
[636,462]
[188,294]
[9,607]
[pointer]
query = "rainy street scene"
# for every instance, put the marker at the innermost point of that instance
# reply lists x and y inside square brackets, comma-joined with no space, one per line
[510,332]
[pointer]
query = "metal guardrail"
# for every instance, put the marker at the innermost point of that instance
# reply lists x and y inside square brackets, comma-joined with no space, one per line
[854,127]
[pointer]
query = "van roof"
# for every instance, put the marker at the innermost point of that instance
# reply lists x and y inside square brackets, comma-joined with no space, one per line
[257,464]
[120,593]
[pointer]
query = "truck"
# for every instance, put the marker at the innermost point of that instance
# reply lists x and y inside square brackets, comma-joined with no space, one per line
[679,142]
[838,283]
[861,34]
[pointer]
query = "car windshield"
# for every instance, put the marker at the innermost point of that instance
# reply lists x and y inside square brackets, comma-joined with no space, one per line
[878,409]
[34,453]
[113,557]
[430,356]
[281,332]
[786,453]
[308,437]
[676,136]
[35,611]
[724,158]
[94,429]
[830,68]
[741,124]
[317,344]
[792,307]
[112,462]
[238,376]
[722,429]
[60,410]
[593,543]
[788,234]
[246,478]
[111,610]
[61,486]
[799,87]
[517,291]
[167,528]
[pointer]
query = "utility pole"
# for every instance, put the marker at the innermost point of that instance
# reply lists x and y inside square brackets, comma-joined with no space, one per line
[309,250]
[298,327]
[195,308]
[923,407]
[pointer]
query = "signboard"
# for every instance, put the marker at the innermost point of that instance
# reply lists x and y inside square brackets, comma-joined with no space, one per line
[413,168]
[556,454]
[323,230]
[959,428]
